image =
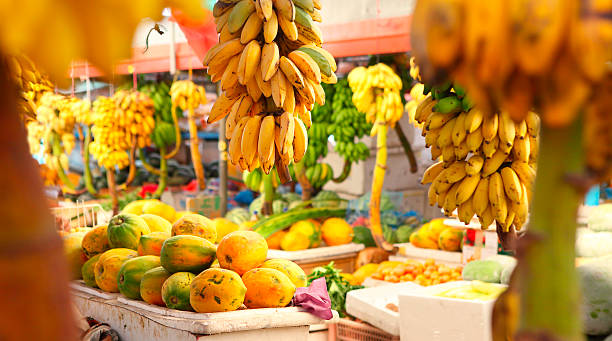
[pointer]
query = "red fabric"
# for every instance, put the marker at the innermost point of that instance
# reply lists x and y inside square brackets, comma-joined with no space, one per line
[201,36]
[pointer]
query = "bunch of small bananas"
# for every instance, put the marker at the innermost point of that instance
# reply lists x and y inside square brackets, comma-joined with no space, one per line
[269,61]
[254,180]
[81,108]
[486,161]
[376,89]
[54,127]
[30,82]
[319,174]
[261,140]
[120,123]
[559,62]
[187,95]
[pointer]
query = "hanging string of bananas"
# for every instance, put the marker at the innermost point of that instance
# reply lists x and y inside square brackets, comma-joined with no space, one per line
[559,61]
[187,95]
[120,122]
[51,131]
[376,92]
[30,82]
[487,163]
[270,66]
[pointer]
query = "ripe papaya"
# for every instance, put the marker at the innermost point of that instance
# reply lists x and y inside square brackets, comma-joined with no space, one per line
[310,229]
[151,244]
[74,253]
[88,273]
[241,251]
[422,240]
[197,225]
[108,265]
[95,241]
[187,253]
[450,239]
[151,285]
[175,291]
[216,290]
[223,227]
[267,288]
[157,223]
[289,268]
[274,241]
[131,272]
[160,209]
[124,231]
[295,241]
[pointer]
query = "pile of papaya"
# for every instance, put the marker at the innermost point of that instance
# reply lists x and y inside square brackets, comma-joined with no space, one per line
[436,235]
[181,260]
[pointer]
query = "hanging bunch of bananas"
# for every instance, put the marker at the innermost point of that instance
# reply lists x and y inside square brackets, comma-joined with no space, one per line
[559,62]
[487,162]
[376,89]
[160,94]
[270,66]
[81,109]
[30,82]
[187,95]
[120,123]
[53,130]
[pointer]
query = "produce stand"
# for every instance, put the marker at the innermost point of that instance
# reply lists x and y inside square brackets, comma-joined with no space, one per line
[135,320]
[343,256]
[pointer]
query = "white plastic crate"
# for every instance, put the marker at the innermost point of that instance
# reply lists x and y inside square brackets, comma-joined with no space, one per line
[424,316]
[369,305]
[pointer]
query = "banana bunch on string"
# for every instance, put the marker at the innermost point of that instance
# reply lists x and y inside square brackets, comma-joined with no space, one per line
[81,108]
[270,66]
[487,163]
[376,92]
[120,123]
[517,56]
[52,130]
[187,95]
[30,83]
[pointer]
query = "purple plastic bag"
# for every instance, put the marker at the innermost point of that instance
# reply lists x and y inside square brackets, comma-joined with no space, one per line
[315,299]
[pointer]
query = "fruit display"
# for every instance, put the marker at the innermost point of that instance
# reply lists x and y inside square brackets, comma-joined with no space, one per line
[270,225]
[181,270]
[124,121]
[187,96]
[376,92]
[270,64]
[425,274]
[337,286]
[476,290]
[487,163]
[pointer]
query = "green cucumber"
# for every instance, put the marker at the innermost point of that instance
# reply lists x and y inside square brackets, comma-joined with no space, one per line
[268,226]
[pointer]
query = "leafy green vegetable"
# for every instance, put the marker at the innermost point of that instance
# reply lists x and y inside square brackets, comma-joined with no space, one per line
[337,287]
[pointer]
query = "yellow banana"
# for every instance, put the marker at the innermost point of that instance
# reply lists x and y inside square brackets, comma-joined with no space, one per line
[289,103]
[269,60]
[521,130]
[506,130]
[480,198]
[265,87]
[239,14]
[432,172]
[249,62]
[486,218]
[448,153]
[474,140]
[492,164]
[431,137]
[306,65]
[532,120]
[279,88]
[466,188]
[303,114]
[293,74]
[490,147]
[288,135]
[220,109]
[446,134]
[524,171]
[432,197]
[300,140]
[462,151]
[474,165]
[223,52]
[231,121]
[225,35]
[234,148]
[284,9]
[520,149]
[459,131]
[490,124]
[465,212]
[454,173]
[266,8]
[424,109]
[497,197]
[251,28]
[319,93]
[288,27]
[250,137]
[473,120]
[442,197]
[437,120]
[270,28]
[265,144]
[512,184]
[449,202]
